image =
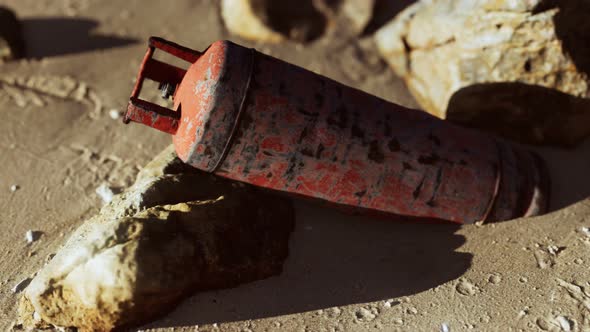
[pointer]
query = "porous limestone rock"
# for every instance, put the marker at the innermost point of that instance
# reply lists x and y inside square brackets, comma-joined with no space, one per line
[174,232]
[274,21]
[495,64]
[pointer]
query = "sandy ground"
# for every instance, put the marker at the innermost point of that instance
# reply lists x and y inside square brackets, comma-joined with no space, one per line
[344,273]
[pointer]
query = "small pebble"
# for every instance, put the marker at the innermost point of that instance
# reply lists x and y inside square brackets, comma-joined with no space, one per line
[495,279]
[564,323]
[444,327]
[14,187]
[114,114]
[32,236]
[389,303]
[465,287]
[20,286]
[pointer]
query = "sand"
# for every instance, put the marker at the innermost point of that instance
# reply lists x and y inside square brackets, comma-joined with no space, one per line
[60,142]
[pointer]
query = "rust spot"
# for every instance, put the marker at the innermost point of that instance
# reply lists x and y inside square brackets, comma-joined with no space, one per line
[302,135]
[304,112]
[267,153]
[208,152]
[356,131]
[282,90]
[338,118]
[319,100]
[269,175]
[429,160]
[245,123]
[375,153]
[360,194]
[319,150]
[437,183]
[435,139]
[289,171]
[393,145]
[307,152]
[387,131]
[418,189]
[407,167]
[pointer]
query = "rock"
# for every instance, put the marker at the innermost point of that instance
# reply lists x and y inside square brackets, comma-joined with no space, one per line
[32,236]
[176,231]
[302,21]
[517,68]
[12,45]
[240,18]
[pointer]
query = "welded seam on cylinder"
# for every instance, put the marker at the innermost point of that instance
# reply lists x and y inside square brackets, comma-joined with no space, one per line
[499,175]
[237,121]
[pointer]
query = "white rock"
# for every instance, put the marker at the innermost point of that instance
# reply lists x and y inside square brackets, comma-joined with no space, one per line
[564,322]
[105,193]
[32,236]
[114,114]
[14,187]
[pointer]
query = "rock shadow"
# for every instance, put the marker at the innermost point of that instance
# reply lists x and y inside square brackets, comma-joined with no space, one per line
[525,113]
[383,12]
[297,20]
[572,27]
[48,37]
[337,260]
[534,115]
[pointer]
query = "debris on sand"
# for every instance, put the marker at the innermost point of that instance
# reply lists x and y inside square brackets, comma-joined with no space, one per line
[115,114]
[32,236]
[21,285]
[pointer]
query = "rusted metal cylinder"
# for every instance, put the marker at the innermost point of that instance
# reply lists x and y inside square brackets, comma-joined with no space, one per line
[249,117]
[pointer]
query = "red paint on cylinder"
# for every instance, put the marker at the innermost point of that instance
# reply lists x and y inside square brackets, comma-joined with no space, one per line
[249,117]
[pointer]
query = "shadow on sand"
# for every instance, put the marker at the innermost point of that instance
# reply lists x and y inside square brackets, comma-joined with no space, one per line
[337,260]
[48,37]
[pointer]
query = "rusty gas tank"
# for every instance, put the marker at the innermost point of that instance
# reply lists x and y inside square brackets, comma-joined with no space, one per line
[253,118]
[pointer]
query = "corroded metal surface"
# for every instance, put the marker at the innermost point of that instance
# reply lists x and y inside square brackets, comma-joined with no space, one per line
[253,118]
